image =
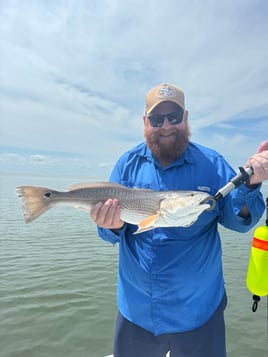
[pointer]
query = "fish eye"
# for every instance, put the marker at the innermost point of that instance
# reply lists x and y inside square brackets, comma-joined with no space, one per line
[47,194]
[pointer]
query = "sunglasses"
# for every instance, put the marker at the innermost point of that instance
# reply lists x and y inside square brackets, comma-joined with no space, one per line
[157,120]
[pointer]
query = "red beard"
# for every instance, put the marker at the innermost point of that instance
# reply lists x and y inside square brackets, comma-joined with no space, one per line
[167,152]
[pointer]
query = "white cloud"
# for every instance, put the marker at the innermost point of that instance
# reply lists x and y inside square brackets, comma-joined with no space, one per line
[37,159]
[74,73]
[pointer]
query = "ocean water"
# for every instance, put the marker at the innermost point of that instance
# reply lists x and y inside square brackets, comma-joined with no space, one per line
[58,283]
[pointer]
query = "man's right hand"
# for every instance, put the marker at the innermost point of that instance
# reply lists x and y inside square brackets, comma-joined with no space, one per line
[107,214]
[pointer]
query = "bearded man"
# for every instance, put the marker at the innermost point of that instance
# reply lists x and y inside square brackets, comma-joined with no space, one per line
[171,294]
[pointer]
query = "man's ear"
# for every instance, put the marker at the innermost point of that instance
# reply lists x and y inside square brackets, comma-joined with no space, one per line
[185,116]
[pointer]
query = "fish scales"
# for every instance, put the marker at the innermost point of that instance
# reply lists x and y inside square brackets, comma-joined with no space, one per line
[146,208]
[143,201]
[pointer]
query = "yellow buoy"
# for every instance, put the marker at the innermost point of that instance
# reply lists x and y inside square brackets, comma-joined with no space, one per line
[257,276]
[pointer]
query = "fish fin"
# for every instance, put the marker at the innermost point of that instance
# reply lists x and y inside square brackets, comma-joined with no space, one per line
[141,230]
[147,223]
[35,201]
[142,189]
[94,185]
[82,208]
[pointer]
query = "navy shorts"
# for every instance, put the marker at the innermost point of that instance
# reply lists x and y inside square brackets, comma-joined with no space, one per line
[208,340]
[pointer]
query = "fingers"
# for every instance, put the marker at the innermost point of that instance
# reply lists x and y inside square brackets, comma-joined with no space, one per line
[263,147]
[107,215]
[259,162]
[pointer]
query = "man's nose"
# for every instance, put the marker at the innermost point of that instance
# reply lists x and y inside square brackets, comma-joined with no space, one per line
[166,123]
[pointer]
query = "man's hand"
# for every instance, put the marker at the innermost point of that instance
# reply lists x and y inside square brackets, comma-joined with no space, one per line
[259,162]
[107,215]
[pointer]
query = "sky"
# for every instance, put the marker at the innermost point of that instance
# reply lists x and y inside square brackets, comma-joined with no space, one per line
[74,75]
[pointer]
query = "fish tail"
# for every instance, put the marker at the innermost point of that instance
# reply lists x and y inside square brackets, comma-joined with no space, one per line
[35,201]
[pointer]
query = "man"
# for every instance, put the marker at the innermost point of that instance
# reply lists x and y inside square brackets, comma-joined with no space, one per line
[171,294]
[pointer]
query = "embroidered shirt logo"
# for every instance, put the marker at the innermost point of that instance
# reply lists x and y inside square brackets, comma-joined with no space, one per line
[203,188]
[166,92]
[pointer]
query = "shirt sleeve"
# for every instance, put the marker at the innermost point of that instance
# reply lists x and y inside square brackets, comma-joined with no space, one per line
[233,204]
[110,235]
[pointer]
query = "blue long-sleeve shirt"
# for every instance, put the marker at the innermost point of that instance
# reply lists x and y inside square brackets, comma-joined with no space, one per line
[171,279]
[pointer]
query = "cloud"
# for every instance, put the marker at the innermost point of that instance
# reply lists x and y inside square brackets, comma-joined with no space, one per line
[74,73]
[54,164]
[37,159]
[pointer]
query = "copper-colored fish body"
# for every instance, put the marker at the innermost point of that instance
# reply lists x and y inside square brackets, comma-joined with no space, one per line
[146,208]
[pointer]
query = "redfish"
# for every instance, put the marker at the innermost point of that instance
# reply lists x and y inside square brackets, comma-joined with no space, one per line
[146,208]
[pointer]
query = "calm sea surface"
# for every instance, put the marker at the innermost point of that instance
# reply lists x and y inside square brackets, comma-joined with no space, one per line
[58,283]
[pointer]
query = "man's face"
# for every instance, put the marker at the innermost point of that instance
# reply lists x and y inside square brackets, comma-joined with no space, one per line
[167,141]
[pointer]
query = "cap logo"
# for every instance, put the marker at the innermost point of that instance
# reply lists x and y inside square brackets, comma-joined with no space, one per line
[166,92]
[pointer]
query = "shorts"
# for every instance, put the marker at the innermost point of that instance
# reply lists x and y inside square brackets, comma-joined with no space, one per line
[130,340]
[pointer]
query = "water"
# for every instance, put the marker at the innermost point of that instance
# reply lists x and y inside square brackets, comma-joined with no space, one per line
[58,283]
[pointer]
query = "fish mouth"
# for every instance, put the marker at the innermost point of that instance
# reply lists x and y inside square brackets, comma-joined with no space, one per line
[209,200]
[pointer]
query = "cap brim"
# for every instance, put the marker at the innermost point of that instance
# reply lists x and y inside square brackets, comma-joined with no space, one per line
[161,101]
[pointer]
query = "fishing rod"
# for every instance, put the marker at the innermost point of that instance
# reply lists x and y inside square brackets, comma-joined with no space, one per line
[242,177]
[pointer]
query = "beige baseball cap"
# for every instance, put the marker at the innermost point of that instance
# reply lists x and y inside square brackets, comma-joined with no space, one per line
[163,93]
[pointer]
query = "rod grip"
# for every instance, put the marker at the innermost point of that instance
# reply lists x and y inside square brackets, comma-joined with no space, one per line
[242,177]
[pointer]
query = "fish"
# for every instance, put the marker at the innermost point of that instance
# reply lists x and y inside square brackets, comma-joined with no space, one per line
[145,208]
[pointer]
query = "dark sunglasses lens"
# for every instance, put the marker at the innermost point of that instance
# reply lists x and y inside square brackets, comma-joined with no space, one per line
[175,118]
[157,120]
